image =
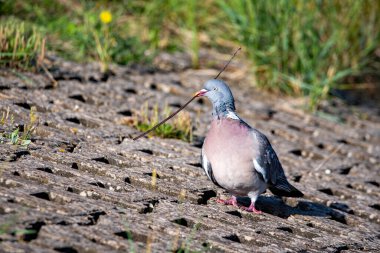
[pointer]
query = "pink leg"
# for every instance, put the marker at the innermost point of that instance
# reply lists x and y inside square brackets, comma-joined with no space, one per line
[231,201]
[251,208]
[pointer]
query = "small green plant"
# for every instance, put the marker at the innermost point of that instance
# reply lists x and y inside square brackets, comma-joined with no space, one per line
[11,134]
[186,245]
[103,40]
[5,228]
[14,137]
[4,117]
[21,46]
[8,228]
[181,128]
[128,235]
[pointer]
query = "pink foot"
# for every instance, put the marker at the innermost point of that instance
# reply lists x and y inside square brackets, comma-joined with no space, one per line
[232,201]
[251,209]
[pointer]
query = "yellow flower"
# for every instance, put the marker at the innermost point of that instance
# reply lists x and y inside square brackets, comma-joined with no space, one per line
[105,17]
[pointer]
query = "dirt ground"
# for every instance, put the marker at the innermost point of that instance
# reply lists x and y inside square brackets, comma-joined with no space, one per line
[83,185]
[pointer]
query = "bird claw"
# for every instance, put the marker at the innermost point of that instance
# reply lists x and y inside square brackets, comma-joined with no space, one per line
[232,201]
[251,209]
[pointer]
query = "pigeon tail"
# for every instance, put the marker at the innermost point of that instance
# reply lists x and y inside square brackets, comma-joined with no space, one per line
[283,188]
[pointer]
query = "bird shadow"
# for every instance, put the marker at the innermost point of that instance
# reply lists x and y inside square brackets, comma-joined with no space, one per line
[276,206]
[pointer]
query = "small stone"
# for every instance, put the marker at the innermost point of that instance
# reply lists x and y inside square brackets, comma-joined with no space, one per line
[248,238]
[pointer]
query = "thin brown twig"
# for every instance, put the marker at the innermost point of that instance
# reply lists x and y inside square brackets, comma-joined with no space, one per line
[49,75]
[329,157]
[228,63]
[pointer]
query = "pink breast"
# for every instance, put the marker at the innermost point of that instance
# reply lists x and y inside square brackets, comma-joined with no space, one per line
[228,145]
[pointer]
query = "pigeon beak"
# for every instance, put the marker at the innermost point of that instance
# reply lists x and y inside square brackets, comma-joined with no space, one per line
[201,93]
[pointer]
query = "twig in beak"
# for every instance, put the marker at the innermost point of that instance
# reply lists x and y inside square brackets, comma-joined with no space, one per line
[228,63]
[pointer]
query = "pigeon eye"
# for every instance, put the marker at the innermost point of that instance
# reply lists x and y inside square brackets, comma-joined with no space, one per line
[215,88]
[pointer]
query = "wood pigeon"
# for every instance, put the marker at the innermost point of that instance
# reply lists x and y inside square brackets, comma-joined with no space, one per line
[238,157]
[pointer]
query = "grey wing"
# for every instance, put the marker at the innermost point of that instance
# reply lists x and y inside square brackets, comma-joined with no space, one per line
[266,161]
[206,165]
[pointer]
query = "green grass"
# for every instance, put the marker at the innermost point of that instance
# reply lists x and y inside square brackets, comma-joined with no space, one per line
[302,48]
[176,25]
[306,47]
[138,30]
[6,228]
[75,31]
[9,227]
[180,128]
[21,45]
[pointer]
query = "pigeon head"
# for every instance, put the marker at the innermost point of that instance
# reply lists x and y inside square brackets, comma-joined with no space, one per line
[220,96]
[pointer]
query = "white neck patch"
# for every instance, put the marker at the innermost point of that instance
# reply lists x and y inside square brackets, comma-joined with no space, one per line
[232,115]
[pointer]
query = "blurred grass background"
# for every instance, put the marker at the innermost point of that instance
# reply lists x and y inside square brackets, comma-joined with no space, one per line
[303,48]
